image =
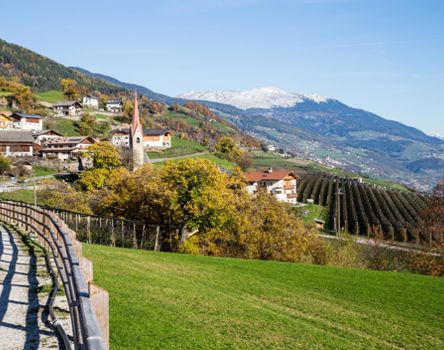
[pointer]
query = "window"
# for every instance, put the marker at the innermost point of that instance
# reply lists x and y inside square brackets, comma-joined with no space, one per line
[138,140]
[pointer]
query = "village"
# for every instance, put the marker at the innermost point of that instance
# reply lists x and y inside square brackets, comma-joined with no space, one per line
[25,140]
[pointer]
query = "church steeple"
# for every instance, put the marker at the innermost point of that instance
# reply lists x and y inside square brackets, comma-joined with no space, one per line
[136,137]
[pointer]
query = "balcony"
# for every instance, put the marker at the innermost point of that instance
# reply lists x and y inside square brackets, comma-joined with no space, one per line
[289,187]
[291,195]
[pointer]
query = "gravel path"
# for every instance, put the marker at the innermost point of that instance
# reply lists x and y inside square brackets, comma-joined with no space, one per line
[24,284]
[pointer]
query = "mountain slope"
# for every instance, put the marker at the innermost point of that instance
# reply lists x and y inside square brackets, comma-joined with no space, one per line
[41,73]
[333,133]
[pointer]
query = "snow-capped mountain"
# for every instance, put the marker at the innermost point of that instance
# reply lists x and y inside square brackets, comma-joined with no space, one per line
[266,97]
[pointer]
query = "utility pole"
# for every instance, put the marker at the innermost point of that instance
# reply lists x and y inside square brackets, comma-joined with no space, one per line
[338,209]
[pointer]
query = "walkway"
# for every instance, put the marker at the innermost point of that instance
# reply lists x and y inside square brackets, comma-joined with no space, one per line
[24,320]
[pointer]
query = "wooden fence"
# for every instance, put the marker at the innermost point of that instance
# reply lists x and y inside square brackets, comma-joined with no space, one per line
[88,303]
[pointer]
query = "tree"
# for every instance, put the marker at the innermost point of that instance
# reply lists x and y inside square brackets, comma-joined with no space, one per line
[5,164]
[227,147]
[105,155]
[71,89]
[87,124]
[106,158]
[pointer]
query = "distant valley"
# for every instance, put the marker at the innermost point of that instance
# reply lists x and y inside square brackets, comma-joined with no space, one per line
[333,133]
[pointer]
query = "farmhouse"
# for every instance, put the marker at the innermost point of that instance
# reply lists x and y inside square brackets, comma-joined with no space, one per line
[120,137]
[64,148]
[5,120]
[114,106]
[16,143]
[152,138]
[26,121]
[68,108]
[90,101]
[45,135]
[281,184]
[157,138]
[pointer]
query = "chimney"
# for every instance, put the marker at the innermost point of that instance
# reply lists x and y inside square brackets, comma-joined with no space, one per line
[270,170]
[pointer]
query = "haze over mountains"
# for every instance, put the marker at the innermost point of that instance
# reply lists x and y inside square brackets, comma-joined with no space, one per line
[310,125]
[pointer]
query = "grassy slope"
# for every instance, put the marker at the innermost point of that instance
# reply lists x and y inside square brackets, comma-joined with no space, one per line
[51,96]
[172,301]
[19,195]
[179,147]
[311,212]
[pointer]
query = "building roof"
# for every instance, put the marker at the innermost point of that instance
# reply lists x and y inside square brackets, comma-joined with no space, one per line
[135,122]
[66,104]
[112,102]
[120,131]
[268,175]
[91,96]
[72,140]
[16,136]
[155,132]
[43,132]
[25,115]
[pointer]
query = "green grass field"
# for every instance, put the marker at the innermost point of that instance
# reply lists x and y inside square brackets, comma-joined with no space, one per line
[43,171]
[173,301]
[26,196]
[179,147]
[51,96]
[311,212]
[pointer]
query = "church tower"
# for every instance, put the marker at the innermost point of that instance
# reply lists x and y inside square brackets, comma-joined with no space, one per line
[136,137]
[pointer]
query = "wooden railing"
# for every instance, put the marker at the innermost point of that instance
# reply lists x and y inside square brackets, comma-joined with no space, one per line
[88,304]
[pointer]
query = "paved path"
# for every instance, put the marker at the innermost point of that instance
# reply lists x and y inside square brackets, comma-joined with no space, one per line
[23,318]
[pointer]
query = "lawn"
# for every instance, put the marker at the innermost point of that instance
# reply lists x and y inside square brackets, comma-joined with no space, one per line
[66,127]
[180,147]
[43,171]
[26,196]
[51,96]
[311,212]
[173,301]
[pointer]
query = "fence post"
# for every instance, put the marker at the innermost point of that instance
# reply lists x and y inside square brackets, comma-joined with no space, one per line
[156,243]
[100,303]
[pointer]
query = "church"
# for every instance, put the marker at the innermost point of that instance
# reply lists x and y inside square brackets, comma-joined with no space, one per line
[136,137]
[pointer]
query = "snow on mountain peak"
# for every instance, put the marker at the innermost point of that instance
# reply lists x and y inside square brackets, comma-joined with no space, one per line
[264,97]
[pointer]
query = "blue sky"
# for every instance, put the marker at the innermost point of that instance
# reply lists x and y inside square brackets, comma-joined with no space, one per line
[386,56]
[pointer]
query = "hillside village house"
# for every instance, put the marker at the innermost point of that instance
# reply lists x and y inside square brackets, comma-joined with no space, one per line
[114,106]
[157,138]
[64,148]
[26,121]
[5,120]
[120,137]
[45,135]
[16,143]
[68,108]
[90,101]
[281,184]
[152,138]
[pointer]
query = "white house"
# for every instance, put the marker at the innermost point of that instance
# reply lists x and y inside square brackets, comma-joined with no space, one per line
[64,148]
[152,138]
[45,135]
[120,137]
[281,184]
[68,108]
[90,101]
[16,143]
[26,121]
[114,106]
[157,138]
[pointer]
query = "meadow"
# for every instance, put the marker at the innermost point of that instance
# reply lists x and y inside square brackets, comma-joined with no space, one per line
[172,301]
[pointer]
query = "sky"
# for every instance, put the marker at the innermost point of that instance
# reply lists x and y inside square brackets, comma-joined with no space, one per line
[385,56]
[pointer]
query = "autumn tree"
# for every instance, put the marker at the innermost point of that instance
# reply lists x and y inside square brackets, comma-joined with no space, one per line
[5,164]
[86,124]
[71,89]
[106,158]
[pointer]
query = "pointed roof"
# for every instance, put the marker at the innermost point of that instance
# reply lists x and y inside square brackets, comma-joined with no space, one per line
[135,123]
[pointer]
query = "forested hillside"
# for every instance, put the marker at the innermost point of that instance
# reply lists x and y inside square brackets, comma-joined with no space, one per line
[41,73]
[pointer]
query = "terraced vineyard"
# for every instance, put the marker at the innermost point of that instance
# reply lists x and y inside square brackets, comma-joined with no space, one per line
[364,209]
